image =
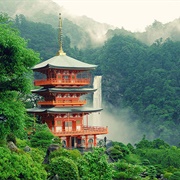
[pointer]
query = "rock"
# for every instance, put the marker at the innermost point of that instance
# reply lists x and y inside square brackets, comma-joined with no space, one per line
[12,146]
[27,149]
[50,149]
[56,177]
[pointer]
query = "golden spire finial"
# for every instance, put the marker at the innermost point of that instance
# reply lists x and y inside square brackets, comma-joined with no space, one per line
[60,52]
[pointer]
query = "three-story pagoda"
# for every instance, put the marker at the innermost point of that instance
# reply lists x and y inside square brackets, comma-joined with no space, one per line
[65,80]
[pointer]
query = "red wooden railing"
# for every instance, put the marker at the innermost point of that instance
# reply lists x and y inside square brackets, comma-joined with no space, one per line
[63,82]
[63,103]
[85,130]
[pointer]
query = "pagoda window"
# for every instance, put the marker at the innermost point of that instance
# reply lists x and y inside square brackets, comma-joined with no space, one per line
[59,123]
[66,77]
[83,75]
[78,125]
[68,126]
[59,76]
[59,126]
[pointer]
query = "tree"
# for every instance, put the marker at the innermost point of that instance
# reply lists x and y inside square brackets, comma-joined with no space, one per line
[19,166]
[64,167]
[94,166]
[124,170]
[16,61]
[42,138]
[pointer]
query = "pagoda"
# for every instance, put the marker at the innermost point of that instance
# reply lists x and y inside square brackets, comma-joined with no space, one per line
[64,82]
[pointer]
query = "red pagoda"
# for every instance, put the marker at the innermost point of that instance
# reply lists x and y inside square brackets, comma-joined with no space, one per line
[63,109]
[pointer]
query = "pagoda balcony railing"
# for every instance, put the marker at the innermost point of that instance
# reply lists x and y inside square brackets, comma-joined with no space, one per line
[85,130]
[63,103]
[62,82]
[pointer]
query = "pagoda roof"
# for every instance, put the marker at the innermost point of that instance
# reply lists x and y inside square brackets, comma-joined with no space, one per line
[76,90]
[64,110]
[63,62]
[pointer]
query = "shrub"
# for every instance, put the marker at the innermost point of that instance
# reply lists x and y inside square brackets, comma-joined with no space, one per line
[65,168]
[42,139]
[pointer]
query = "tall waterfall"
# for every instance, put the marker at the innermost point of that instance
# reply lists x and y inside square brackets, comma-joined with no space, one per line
[97,100]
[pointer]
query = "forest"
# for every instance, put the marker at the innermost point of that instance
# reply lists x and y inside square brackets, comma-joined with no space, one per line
[142,78]
[145,79]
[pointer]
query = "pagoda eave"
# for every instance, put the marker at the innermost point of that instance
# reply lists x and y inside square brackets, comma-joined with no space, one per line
[64,110]
[64,90]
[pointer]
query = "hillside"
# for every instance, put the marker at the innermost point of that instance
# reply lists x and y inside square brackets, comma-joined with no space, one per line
[134,73]
[145,77]
[153,32]
[82,31]
[134,76]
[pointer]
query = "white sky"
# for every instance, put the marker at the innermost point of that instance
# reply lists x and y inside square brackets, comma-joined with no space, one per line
[133,15]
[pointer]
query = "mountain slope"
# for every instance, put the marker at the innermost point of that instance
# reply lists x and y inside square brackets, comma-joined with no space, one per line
[82,31]
[155,31]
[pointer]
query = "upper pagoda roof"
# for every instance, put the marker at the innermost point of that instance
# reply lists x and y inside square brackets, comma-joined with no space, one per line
[64,62]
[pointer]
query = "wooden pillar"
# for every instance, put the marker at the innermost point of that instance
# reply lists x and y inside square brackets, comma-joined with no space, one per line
[67,141]
[73,125]
[55,124]
[87,120]
[70,142]
[86,141]
[95,140]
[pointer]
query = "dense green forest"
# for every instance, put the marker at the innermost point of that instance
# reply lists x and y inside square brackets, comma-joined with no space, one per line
[142,78]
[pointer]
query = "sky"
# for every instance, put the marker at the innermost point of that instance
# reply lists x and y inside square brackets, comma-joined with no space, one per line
[133,15]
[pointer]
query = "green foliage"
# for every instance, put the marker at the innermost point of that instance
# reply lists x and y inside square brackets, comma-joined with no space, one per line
[19,166]
[151,172]
[95,166]
[11,137]
[175,176]
[71,154]
[42,138]
[165,157]
[16,61]
[118,151]
[130,147]
[144,143]
[14,112]
[43,38]
[21,143]
[65,168]
[37,155]
[127,171]
[144,79]
[155,144]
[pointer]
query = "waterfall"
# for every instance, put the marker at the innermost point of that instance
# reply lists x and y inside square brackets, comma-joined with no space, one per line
[97,100]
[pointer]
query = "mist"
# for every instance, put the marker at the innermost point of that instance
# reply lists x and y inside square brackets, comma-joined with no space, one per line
[120,126]
[120,123]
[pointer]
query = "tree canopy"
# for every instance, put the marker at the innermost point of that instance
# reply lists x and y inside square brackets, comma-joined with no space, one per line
[16,77]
